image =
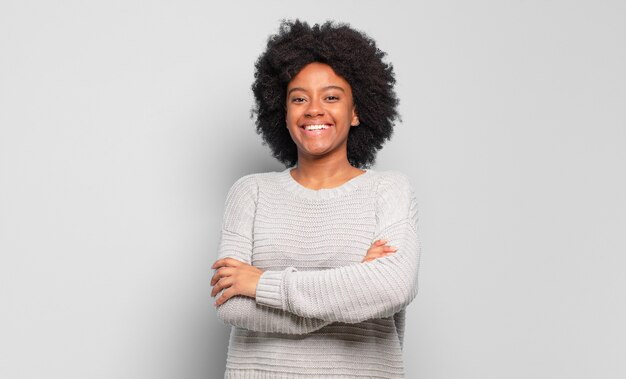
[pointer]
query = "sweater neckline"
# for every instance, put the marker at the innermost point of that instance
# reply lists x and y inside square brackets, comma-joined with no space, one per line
[298,189]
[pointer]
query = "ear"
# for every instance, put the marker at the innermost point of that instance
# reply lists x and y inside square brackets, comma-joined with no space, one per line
[355,118]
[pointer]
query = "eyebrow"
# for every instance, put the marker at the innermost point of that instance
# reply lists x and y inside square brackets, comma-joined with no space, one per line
[325,88]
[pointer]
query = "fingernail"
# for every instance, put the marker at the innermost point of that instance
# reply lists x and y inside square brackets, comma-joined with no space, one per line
[393,248]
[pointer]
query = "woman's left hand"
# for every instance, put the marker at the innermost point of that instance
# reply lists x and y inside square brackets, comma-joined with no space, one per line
[237,277]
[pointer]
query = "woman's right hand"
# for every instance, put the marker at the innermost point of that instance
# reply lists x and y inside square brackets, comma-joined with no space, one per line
[378,250]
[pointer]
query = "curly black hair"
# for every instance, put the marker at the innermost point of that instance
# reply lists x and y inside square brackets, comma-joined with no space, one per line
[352,55]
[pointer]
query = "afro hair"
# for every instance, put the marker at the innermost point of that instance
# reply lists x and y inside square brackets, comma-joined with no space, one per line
[352,55]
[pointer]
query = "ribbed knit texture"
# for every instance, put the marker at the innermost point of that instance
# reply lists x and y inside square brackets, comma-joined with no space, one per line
[319,311]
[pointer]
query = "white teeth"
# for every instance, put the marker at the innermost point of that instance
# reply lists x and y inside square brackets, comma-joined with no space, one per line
[316,127]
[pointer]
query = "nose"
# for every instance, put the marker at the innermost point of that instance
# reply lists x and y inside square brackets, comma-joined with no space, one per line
[314,108]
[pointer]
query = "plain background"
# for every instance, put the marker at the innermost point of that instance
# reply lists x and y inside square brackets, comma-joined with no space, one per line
[124,123]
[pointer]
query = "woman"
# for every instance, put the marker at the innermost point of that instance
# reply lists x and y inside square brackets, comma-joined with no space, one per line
[304,273]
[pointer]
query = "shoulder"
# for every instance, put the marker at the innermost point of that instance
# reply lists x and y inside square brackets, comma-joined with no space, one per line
[394,183]
[245,182]
[243,189]
[240,205]
[396,197]
[248,185]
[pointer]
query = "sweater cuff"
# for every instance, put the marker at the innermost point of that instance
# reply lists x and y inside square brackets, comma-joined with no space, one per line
[270,289]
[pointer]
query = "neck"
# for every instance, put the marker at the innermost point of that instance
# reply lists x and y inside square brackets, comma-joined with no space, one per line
[323,173]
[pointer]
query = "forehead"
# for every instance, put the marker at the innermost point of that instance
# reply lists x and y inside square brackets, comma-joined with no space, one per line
[317,74]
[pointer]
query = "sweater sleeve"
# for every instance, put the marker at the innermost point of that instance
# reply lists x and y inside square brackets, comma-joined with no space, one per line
[360,291]
[236,241]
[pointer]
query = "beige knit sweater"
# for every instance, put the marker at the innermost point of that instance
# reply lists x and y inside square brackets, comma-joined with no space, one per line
[319,311]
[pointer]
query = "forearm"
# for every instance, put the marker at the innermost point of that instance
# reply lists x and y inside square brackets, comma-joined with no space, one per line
[244,312]
[353,293]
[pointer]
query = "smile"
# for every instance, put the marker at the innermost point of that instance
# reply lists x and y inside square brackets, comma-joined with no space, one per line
[315,130]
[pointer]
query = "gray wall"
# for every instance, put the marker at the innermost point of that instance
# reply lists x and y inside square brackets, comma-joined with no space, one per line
[124,123]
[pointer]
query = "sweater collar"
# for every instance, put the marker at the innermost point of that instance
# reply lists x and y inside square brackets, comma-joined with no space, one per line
[292,186]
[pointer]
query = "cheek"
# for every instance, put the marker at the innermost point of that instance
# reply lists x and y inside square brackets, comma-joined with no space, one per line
[342,112]
[291,116]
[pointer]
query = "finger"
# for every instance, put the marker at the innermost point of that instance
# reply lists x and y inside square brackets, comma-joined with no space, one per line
[222,263]
[214,265]
[221,284]
[225,296]
[391,248]
[230,262]
[383,254]
[216,276]
[377,250]
[215,290]
[220,273]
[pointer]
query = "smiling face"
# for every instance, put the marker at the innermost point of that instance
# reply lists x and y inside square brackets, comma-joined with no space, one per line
[320,112]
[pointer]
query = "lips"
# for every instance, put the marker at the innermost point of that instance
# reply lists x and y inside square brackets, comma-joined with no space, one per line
[316,125]
[317,130]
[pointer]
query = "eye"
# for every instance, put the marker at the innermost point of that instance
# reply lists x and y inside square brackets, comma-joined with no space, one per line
[297,100]
[332,98]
